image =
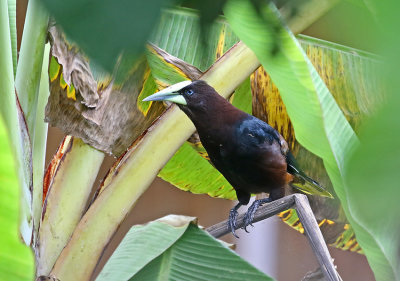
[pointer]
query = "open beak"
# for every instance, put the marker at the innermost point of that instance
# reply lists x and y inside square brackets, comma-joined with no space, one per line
[170,94]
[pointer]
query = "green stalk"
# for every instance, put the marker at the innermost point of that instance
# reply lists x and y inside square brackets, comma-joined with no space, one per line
[12,16]
[7,104]
[8,109]
[39,143]
[30,61]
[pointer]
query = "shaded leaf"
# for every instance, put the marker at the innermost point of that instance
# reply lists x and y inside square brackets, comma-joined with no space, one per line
[125,26]
[373,196]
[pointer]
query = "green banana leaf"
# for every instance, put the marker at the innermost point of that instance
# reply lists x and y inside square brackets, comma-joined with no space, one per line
[174,248]
[373,196]
[318,124]
[178,33]
[16,259]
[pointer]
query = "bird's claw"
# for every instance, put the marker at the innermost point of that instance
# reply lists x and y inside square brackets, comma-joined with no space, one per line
[249,216]
[232,221]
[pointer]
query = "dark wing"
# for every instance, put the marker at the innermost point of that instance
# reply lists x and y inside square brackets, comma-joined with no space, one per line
[253,131]
[260,132]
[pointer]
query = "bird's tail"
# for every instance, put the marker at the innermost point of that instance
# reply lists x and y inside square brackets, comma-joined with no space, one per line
[307,185]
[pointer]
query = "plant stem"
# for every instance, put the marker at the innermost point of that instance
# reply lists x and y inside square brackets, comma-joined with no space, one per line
[12,118]
[39,143]
[30,61]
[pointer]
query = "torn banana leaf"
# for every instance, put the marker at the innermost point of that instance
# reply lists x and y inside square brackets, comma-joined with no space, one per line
[100,109]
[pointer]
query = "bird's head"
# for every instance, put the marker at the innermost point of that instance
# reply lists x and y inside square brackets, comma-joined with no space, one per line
[189,96]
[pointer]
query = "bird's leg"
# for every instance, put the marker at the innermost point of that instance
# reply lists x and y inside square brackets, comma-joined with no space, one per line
[249,216]
[232,219]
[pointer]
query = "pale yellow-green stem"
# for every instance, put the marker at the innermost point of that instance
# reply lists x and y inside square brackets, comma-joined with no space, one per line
[29,67]
[72,177]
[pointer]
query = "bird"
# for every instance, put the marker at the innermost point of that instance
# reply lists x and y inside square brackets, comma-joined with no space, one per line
[252,156]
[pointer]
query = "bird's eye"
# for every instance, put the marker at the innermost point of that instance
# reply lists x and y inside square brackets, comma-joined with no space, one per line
[189,92]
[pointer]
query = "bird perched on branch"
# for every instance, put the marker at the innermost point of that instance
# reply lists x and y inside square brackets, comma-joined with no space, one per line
[248,152]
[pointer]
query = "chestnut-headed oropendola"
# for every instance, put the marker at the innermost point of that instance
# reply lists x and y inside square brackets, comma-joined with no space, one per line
[248,152]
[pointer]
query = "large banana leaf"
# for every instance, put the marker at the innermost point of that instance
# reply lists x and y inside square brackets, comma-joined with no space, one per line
[173,248]
[320,126]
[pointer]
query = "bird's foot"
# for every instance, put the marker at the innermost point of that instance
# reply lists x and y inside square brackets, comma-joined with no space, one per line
[249,216]
[232,219]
